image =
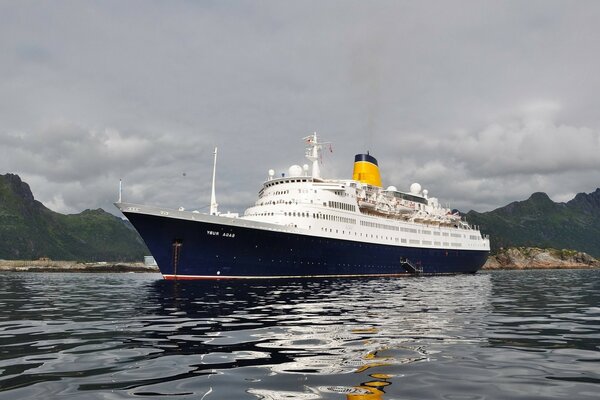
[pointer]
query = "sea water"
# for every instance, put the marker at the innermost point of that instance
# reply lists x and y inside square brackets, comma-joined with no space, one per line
[492,335]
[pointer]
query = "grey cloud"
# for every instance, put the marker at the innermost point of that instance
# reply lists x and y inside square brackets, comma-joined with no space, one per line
[528,146]
[143,91]
[505,161]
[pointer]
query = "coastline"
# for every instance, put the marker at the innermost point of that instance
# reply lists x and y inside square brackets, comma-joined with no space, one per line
[518,258]
[73,266]
[521,258]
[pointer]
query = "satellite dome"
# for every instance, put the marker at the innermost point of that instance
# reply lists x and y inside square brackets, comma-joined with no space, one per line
[415,188]
[271,173]
[392,189]
[295,170]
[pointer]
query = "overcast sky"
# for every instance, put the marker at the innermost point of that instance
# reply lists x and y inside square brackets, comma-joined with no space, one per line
[481,102]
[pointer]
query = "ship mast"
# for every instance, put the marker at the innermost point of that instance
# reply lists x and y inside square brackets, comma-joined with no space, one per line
[312,153]
[213,197]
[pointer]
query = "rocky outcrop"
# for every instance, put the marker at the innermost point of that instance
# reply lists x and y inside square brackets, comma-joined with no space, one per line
[70,266]
[536,258]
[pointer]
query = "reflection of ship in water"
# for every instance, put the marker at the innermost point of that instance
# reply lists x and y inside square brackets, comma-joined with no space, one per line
[372,389]
[353,337]
[365,352]
[369,390]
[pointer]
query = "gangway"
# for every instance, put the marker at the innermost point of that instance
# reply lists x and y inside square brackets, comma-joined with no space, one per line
[410,267]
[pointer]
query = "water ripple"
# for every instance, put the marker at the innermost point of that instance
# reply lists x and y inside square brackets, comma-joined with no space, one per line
[518,335]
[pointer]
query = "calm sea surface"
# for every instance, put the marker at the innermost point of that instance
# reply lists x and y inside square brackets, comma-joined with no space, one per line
[498,335]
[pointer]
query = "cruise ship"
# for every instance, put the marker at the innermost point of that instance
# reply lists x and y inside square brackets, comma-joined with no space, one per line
[305,225]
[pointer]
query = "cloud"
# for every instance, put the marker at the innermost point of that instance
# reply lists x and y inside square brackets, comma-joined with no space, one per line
[65,152]
[71,162]
[507,160]
[439,93]
[531,143]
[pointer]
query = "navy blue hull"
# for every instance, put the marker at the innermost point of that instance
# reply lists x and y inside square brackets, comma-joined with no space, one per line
[192,249]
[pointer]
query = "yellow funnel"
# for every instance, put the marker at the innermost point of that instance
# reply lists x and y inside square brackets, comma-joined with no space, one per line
[366,170]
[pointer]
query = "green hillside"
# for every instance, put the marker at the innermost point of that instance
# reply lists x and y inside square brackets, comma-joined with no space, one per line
[29,230]
[540,222]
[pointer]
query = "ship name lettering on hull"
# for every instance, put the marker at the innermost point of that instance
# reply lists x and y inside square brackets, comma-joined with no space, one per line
[216,233]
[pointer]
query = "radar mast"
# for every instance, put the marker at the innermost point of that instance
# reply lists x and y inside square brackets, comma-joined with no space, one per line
[312,153]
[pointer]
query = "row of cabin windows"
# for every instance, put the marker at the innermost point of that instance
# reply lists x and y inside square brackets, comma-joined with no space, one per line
[296,214]
[326,217]
[380,226]
[346,220]
[262,191]
[353,221]
[336,218]
[342,206]
[286,181]
[367,235]
[266,203]
[363,223]
[265,214]
[401,240]
[412,230]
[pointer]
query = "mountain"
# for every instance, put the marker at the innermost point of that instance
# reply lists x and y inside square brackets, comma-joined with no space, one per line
[540,222]
[29,230]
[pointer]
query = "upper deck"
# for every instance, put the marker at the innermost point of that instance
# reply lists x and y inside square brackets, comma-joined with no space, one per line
[359,207]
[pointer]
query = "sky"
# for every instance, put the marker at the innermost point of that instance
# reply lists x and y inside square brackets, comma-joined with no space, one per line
[481,102]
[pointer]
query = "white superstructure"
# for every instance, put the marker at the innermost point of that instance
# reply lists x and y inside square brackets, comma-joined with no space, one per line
[354,210]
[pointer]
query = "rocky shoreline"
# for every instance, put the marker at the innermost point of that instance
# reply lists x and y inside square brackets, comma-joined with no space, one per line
[536,258]
[73,266]
[511,258]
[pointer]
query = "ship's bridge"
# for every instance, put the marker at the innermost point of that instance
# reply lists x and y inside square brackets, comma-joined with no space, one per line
[285,197]
[282,181]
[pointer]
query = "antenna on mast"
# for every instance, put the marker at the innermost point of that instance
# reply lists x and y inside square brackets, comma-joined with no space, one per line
[213,198]
[120,190]
[312,153]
